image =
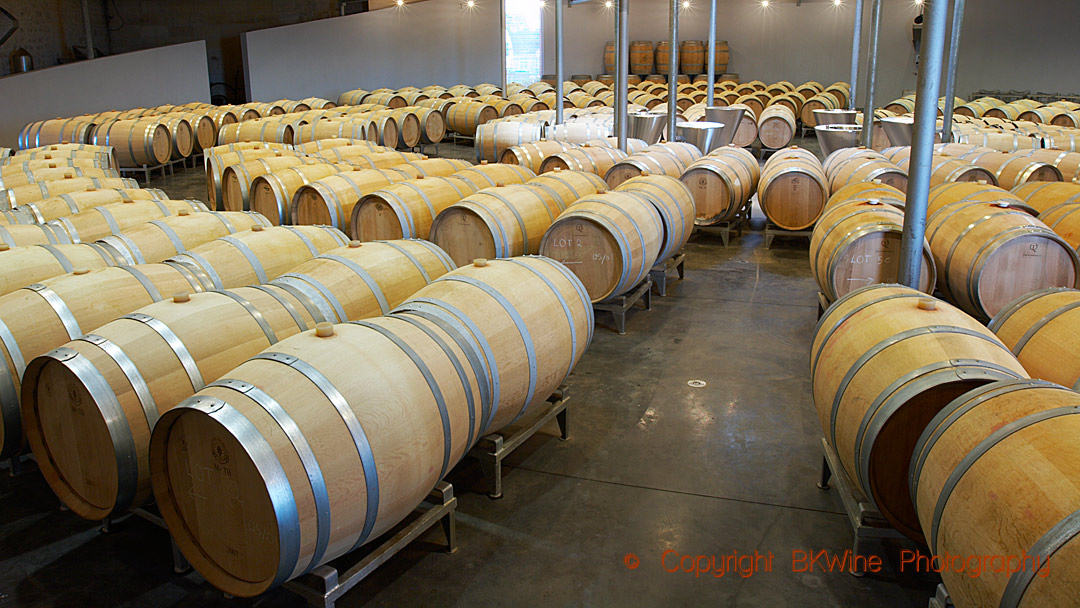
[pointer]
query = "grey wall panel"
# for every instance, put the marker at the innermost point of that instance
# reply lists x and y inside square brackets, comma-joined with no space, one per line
[433,42]
[170,74]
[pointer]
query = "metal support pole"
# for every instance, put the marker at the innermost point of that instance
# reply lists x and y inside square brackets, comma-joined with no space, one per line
[856,44]
[502,41]
[871,76]
[922,146]
[89,31]
[710,89]
[622,80]
[673,69]
[558,61]
[950,76]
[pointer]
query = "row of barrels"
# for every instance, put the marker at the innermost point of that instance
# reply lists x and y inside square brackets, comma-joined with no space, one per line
[975,454]
[63,307]
[984,245]
[691,57]
[1062,113]
[204,119]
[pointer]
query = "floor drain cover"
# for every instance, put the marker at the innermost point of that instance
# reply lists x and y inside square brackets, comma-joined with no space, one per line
[696,383]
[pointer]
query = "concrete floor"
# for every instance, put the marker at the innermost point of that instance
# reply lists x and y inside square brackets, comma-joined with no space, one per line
[651,465]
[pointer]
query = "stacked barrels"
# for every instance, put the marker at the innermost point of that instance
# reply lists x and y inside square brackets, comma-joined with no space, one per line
[721,184]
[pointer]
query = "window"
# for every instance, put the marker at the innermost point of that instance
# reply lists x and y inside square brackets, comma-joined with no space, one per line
[524,40]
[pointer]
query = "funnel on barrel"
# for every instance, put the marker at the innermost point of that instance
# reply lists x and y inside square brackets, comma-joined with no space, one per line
[704,135]
[729,117]
[835,137]
[835,117]
[647,126]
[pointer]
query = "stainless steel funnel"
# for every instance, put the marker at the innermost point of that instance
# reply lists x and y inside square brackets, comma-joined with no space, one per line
[729,117]
[647,126]
[835,117]
[704,135]
[899,129]
[835,137]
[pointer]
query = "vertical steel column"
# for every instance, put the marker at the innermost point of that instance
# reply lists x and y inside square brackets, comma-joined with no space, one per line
[622,80]
[558,61]
[89,32]
[673,69]
[922,146]
[871,76]
[856,46]
[950,76]
[709,91]
[502,41]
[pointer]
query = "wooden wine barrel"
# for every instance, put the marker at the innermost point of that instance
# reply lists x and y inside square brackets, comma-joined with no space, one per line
[27,265]
[406,209]
[158,240]
[721,184]
[75,130]
[532,154]
[272,194]
[486,174]
[354,126]
[498,222]
[955,192]
[435,167]
[37,191]
[579,131]
[63,308]
[1012,170]
[945,169]
[1066,162]
[432,124]
[857,243]
[1038,328]
[407,132]
[868,343]
[47,156]
[609,57]
[465,116]
[317,146]
[685,152]
[24,235]
[746,133]
[653,162]
[569,186]
[663,56]
[181,135]
[633,146]
[641,57]
[776,126]
[988,254]
[13,177]
[493,139]
[868,168]
[75,202]
[437,418]
[263,129]
[992,487]
[203,129]
[1043,196]
[867,190]
[258,255]
[236,180]
[138,142]
[610,241]
[257,317]
[100,222]
[821,101]
[793,189]
[692,57]
[594,159]
[217,163]
[330,200]
[673,202]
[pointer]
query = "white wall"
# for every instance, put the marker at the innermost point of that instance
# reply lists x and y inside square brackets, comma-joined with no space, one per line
[1006,45]
[171,74]
[433,42]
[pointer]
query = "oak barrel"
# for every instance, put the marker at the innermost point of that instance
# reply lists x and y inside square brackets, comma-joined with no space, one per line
[793,189]
[721,184]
